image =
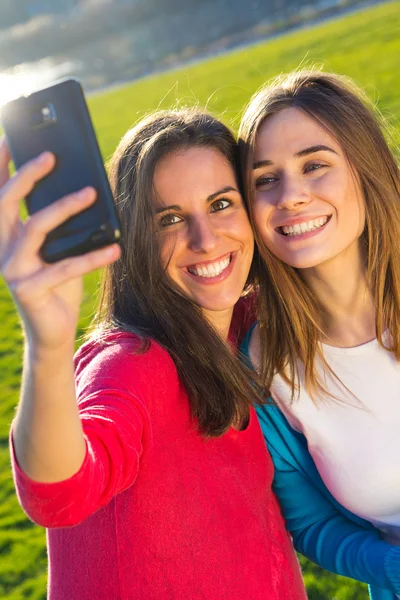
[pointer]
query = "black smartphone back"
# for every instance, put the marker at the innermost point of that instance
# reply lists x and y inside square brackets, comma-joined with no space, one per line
[57,119]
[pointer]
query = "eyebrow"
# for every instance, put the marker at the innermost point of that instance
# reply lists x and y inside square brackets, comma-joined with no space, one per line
[305,152]
[210,198]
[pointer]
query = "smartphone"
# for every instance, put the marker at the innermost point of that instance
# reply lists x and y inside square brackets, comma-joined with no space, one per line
[56,118]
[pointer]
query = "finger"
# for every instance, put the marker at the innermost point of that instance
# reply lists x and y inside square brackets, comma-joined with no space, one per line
[41,223]
[17,188]
[54,275]
[4,162]
[24,180]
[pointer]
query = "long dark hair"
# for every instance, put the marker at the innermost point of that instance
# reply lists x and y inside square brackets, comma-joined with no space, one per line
[290,315]
[137,293]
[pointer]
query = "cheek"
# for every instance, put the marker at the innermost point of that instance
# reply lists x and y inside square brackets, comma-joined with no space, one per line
[360,208]
[260,214]
[168,251]
[357,218]
[237,225]
[352,209]
[362,218]
[246,231]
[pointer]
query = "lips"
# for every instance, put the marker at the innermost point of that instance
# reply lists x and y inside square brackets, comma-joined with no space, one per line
[306,226]
[210,269]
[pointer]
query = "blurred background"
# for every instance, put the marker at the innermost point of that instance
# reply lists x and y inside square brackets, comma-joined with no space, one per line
[134,56]
[104,42]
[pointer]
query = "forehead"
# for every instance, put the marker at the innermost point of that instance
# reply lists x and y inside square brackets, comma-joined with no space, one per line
[185,176]
[288,132]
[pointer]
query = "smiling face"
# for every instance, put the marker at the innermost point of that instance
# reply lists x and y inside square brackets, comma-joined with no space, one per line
[206,238]
[308,205]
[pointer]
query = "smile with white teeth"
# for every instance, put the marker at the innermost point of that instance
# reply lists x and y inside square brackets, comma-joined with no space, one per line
[299,228]
[210,270]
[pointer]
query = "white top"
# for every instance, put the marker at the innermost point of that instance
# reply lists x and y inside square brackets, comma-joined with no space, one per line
[355,444]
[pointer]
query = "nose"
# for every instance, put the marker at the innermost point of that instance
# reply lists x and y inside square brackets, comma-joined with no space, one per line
[294,194]
[202,235]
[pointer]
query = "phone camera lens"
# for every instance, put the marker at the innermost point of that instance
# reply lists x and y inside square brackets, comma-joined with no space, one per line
[43,116]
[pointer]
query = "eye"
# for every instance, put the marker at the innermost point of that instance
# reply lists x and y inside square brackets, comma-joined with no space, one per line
[314,167]
[168,220]
[220,204]
[265,181]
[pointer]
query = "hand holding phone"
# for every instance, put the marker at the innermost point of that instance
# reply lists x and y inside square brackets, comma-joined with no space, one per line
[56,119]
[48,296]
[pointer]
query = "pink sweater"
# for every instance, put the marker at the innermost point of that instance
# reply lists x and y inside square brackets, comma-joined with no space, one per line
[158,512]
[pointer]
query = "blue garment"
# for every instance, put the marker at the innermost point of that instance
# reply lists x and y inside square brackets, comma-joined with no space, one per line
[321,528]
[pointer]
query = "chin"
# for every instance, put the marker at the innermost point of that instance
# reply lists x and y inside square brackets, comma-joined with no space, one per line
[220,304]
[300,265]
[217,307]
[299,262]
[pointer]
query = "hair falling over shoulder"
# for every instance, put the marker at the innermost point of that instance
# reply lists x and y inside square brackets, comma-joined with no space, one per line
[138,295]
[289,314]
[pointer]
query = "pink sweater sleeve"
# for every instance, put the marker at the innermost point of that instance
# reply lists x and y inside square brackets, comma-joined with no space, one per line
[113,416]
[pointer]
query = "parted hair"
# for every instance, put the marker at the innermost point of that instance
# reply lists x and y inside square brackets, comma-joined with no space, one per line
[290,316]
[137,293]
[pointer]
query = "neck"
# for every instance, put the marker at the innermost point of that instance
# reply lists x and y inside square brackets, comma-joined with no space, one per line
[220,320]
[341,287]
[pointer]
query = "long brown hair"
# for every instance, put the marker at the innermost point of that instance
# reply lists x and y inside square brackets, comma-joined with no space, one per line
[137,293]
[290,315]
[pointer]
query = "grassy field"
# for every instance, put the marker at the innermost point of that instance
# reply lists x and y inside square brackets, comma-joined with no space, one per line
[365,46]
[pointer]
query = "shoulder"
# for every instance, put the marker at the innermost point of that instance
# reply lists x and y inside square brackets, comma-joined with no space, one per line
[115,346]
[244,316]
[284,443]
[272,418]
[123,358]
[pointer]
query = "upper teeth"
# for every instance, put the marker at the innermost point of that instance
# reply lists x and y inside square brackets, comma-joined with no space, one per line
[212,269]
[304,227]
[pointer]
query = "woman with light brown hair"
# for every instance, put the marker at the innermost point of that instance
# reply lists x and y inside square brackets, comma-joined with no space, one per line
[324,195]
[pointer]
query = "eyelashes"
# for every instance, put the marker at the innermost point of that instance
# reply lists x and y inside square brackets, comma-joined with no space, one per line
[171,219]
[314,167]
[269,180]
[168,220]
[220,204]
[265,181]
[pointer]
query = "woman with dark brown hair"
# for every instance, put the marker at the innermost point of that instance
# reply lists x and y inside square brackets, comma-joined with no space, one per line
[145,459]
[324,197]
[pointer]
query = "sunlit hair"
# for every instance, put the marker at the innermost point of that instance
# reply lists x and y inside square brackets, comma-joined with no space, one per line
[290,316]
[139,296]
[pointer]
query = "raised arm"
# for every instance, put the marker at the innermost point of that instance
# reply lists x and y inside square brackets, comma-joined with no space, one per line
[47,432]
[322,531]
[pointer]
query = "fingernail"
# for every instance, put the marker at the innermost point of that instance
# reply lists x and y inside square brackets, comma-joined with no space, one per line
[111,251]
[44,157]
[86,193]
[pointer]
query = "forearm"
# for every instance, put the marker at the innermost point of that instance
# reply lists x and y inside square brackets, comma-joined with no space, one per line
[47,431]
[340,546]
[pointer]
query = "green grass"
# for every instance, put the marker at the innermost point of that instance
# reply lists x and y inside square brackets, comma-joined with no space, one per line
[365,46]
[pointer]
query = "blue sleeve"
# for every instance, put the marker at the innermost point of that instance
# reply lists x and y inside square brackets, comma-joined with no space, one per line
[327,537]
